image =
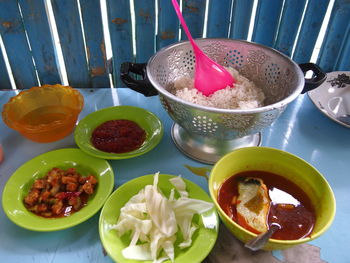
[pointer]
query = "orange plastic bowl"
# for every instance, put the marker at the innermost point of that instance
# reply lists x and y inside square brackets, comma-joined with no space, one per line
[44,114]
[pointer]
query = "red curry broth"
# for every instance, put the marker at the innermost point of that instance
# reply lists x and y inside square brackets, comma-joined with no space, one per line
[290,207]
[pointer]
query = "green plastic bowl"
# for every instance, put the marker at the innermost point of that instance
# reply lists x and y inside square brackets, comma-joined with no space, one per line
[145,119]
[284,164]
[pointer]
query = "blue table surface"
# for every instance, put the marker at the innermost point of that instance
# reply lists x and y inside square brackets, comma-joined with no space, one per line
[301,130]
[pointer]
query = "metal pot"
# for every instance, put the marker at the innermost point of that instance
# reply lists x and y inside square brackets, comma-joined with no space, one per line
[206,133]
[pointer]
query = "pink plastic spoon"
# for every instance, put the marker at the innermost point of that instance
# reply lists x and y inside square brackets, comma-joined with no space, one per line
[209,76]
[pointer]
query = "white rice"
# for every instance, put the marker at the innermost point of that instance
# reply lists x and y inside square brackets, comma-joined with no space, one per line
[244,95]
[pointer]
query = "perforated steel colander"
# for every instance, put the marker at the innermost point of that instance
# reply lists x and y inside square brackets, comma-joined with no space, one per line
[206,133]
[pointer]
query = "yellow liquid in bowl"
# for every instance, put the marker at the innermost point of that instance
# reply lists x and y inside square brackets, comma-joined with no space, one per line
[46,115]
[50,123]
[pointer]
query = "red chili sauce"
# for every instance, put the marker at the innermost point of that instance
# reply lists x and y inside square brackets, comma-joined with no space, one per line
[290,207]
[118,136]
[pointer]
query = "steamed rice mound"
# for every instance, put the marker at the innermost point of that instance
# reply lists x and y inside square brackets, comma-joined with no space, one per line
[243,95]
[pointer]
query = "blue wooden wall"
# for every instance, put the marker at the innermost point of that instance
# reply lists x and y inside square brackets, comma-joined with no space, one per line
[336,43]
[95,44]
[4,76]
[70,32]
[138,28]
[120,28]
[43,50]
[310,29]
[240,22]
[145,18]
[168,24]
[16,45]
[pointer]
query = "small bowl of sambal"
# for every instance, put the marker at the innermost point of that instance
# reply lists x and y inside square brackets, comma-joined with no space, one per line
[119,132]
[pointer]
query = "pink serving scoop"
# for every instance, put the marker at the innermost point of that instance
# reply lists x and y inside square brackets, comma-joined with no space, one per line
[209,76]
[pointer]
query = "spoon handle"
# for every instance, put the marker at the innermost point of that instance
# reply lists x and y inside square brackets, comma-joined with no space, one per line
[260,241]
[183,23]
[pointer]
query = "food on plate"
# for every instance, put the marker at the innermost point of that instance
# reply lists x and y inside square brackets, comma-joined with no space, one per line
[60,193]
[258,199]
[252,204]
[156,223]
[118,136]
[243,95]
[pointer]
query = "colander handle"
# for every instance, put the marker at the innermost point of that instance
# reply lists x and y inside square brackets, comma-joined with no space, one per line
[317,79]
[142,85]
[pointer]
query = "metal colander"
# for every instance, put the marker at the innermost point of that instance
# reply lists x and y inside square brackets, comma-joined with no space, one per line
[206,133]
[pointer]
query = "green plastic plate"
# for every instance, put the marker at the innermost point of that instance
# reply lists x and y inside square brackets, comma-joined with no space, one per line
[145,119]
[22,179]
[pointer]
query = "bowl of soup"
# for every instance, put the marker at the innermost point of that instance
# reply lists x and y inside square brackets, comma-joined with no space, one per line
[254,188]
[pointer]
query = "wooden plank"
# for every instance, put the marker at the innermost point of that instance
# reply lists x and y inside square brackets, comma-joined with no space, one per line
[69,29]
[310,30]
[41,41]
[16,45]
[266,21]
[193,12]
[343,62]
[5,82]
[288,28]
[145,18]
[219,13]
[335,35]
[168,24]
[119,20]
[95,44]
[242,12]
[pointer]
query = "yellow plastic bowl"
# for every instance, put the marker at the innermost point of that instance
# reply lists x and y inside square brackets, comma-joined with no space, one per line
[284,164]
[44,114]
